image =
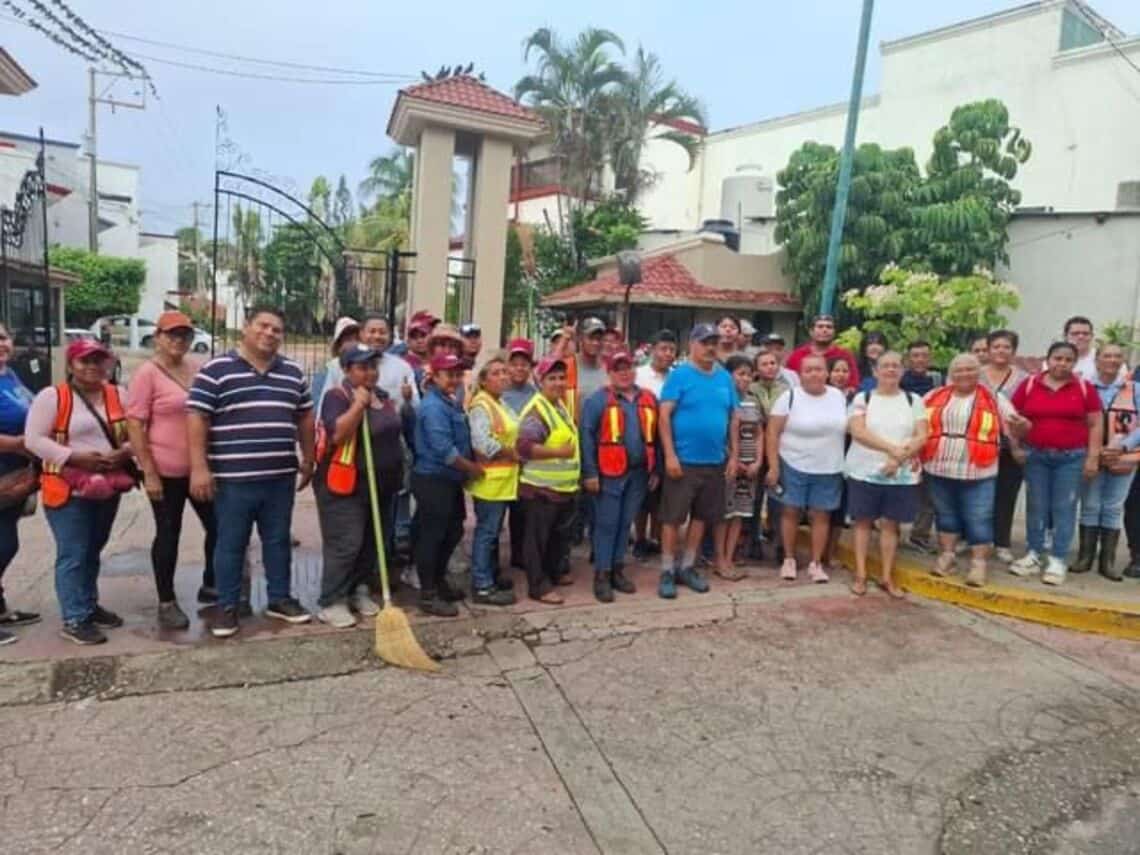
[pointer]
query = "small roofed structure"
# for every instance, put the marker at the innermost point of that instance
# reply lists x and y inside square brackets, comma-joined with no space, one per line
[693,280]
[13,79]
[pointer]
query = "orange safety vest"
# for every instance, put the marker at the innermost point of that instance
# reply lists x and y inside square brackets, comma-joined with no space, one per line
[613,459]
[341,475]
[1120,414]
[983,432]
[54,487]
[571,398]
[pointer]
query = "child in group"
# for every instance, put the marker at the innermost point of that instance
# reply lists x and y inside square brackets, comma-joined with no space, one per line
[746,456]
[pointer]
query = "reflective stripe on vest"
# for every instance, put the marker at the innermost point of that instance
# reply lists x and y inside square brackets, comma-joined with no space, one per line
[341,476]
[54,489]
[500,481]
[983,430]
[559,474]
[613,457]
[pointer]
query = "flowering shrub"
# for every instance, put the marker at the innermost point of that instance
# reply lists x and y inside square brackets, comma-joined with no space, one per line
[945,311]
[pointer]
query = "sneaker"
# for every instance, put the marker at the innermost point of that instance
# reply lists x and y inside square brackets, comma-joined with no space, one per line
[207,595]
[362,603]
[922,544]
[105,618]
[504,582]
[1132,571]
[85,633]
[603,589]
[172,617]
[945,564]
[450,594]
[692,578]
[1055,572]
[667,585]
[492,597]
[288,610]
[621,582]
[1028,565]
[433,605]
[225,622]
[409,577]
[976,578]
[7,637]
[817,574]
[15,617]
[337,615]
[788,570]
[1004,555]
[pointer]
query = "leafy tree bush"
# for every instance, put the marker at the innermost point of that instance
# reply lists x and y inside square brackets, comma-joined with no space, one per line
[945,311]
[107,285]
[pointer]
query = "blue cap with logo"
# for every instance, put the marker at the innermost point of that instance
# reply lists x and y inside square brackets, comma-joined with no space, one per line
[703,332]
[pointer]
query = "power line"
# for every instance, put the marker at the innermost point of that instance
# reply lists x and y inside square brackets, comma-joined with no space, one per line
[1094,21]
[277,78]
[258,61]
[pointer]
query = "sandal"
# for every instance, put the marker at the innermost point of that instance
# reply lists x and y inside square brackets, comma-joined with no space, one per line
[858,587]
[893,589]
[14,617]
[551,599]
[733,575]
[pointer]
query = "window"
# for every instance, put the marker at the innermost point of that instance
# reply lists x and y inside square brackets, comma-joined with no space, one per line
[1076,32]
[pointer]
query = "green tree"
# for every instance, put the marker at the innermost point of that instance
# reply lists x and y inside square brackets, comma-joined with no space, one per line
[389,175]
[637,109]
[962,209]
[878,216]
[107,285]
[320,198]
[190,241]
[292,275]
[246,255]
[946,311]
[608,227]
[342,208]
[515,282]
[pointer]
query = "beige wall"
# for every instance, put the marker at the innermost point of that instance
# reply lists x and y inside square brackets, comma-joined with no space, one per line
[489,234]
[431,218]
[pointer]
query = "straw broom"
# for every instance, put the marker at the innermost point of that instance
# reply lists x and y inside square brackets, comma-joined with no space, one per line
[395,643]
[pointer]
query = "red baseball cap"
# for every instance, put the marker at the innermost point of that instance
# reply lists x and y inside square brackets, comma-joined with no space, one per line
[84,347]
[521,345]
[547,365]
[173,320]
[445,362]
[618,356]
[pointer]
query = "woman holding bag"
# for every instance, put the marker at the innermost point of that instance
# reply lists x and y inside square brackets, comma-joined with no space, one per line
[156,422]
[79,430]
[14,402]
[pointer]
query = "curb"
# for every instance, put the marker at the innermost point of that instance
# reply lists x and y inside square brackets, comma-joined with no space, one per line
[1101,617]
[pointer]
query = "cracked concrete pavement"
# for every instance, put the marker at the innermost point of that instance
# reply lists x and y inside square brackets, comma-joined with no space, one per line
[802,724]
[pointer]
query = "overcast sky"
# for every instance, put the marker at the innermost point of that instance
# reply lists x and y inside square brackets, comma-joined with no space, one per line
[744,60]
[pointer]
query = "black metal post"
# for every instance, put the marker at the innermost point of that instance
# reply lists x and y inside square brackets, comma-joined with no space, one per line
[57,326]
[214,270]
[393,280]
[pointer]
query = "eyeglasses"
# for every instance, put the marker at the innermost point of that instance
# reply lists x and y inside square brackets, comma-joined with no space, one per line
[180,333]
[416,333]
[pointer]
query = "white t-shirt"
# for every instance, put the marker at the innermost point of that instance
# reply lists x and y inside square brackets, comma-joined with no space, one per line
[647,378]
[893,419]
[813,435]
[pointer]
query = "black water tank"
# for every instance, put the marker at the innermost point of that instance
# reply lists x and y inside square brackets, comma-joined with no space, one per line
[725,228]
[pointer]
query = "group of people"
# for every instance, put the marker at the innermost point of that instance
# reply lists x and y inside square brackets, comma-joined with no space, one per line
[680,458]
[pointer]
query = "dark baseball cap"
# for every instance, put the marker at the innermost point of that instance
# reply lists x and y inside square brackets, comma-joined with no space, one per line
[665,335]
[618,357]
[703,332]
[590,326]
[445,362]
[358,355]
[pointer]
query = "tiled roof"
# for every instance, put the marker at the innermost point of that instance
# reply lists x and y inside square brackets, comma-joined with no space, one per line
[668,280]
[469,92]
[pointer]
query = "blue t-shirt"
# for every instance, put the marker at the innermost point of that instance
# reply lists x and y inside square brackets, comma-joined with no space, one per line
[705,401]
[14,402]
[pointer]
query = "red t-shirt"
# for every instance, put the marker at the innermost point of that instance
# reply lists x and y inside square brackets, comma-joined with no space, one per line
[833,352]
[1059,416]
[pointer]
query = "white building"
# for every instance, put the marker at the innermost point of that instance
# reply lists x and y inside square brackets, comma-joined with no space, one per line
[67,173]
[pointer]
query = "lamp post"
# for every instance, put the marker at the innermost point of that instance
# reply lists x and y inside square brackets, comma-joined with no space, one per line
[629,274]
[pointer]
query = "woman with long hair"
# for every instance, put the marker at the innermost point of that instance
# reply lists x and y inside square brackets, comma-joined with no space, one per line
[871,347]
[728,327]
[156,422]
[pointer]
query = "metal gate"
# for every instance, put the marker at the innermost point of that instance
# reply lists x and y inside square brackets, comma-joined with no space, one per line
[271,248]
[28,305]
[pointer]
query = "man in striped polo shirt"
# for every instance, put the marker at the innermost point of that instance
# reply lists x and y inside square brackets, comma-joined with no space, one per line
[250,408]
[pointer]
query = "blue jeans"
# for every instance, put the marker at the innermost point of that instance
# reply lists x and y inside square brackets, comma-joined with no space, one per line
[81,529]
[9,542]
[1102,500]
[488,523]
[964,507]
[615,508]
[1052,483]
[237,506]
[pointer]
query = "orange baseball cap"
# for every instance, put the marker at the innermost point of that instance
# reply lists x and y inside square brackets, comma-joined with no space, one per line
[174,320]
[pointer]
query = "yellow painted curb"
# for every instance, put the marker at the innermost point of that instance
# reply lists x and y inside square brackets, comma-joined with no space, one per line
[1116,619]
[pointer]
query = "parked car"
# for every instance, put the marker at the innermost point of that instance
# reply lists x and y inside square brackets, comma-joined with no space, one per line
[203,341]
[74,334]
[118,327]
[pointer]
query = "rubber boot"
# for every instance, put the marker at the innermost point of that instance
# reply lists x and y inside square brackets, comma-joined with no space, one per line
[1106,563]
[1086,549]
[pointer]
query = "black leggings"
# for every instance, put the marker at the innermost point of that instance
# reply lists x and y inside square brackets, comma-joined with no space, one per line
[168,531]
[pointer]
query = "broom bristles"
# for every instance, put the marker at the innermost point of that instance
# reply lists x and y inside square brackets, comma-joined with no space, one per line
[397,645]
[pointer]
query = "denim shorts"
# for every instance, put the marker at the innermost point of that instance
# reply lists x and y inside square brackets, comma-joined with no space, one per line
[964,507]
[869,501]
[810,491]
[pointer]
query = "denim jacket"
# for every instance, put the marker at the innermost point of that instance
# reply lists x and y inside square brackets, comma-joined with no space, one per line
[442,436]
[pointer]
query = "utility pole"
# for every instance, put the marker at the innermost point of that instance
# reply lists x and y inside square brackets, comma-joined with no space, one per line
[839,212]
[94,99]
[197,254]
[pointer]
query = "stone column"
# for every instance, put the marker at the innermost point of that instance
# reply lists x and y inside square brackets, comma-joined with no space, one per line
[431,219]
[489,234]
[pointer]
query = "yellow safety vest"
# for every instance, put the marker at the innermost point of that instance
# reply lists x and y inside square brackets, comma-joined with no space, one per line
[556,473]
[500,481]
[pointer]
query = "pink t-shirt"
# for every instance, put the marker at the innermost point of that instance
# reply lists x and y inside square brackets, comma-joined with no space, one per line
[160,403]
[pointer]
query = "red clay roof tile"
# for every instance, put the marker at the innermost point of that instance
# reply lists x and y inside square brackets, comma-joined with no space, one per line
[469,92]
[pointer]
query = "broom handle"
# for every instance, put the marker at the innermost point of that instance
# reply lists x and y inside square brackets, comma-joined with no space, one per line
[374,501]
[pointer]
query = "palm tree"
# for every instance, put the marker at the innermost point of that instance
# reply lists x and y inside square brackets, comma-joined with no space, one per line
[637,111]
[389,175]
[568,90]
